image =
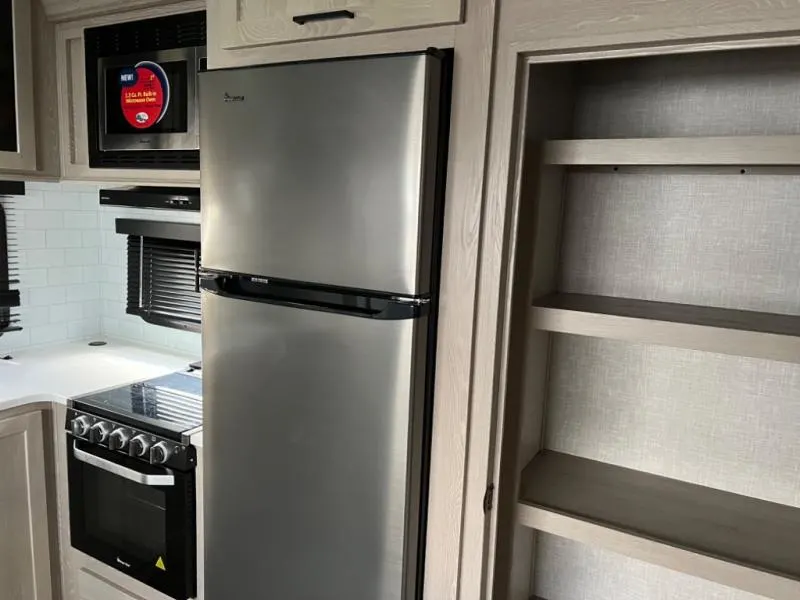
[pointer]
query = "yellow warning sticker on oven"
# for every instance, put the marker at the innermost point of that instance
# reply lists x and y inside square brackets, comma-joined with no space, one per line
[160,564]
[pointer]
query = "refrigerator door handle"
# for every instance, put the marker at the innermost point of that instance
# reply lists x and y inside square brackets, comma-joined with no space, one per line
[356,303]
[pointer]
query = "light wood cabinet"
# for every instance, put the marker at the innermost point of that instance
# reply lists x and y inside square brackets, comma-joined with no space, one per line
[17,119]
[635,402]
[73,131]
[244,23]
[24,536]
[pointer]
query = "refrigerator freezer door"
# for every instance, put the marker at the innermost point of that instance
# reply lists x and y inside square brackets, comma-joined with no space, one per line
[311,475]
[322,171]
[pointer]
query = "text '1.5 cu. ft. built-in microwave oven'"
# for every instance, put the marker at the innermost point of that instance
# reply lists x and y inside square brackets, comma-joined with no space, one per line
[141,84]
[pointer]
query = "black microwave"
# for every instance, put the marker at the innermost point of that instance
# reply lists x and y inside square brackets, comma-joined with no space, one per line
[142,92]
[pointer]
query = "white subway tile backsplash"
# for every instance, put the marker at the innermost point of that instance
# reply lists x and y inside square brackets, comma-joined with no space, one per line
[49,334]
[64,275]
[37,258]
[83,329]
[33,277]
[73,271]
[91,239]
[82,257]
[43,219]
[64,238]
[83,291]
[80,219]
[30,239]
[47,296]
[62,200]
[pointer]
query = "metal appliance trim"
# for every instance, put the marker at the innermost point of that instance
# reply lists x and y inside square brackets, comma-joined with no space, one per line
[123,471]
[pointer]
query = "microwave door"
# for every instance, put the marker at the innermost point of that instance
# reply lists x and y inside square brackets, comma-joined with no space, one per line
[149,101]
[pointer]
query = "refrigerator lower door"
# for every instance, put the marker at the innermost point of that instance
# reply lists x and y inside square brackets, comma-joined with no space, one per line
[312,452]
[323,171]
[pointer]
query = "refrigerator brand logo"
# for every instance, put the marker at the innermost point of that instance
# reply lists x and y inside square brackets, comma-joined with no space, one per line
[228,98]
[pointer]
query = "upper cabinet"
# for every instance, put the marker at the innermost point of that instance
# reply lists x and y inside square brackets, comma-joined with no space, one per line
[244,23]
[17,128]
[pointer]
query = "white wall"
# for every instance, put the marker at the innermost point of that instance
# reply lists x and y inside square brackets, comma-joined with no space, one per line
[73,271]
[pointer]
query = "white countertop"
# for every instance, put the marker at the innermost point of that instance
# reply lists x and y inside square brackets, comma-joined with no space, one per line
[75,369]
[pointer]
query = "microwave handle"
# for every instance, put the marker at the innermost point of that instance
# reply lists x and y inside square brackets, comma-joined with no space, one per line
[121,470]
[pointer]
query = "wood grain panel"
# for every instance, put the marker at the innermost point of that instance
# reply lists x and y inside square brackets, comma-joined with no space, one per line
[536,25]
[66,10]
[752,150]
[71,81]
[462,423]
[24,535]
[24,158]
[722,330]
[244,23]
[738,541]
[410,40]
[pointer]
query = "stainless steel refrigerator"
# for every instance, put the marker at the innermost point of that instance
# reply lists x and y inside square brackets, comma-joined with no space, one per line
[322,187]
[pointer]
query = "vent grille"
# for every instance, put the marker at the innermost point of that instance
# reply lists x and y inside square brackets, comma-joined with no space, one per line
[188,160]
[162,33]
[163,282]
[9,264]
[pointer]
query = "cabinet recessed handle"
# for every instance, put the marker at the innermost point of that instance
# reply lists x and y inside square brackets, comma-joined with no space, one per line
[324,16]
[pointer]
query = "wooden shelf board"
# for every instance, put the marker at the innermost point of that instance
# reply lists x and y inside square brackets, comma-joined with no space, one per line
[735,540]
[726,331]
[733,150]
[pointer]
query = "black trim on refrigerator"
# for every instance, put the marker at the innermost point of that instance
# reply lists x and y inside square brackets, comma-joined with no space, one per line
[353,302]
[445,100]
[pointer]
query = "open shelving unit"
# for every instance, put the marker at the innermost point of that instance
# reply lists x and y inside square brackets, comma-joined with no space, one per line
[653,361]
[723,330]
[732,539]
[689,151]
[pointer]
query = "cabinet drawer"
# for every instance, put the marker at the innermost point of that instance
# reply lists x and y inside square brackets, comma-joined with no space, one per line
[246,23]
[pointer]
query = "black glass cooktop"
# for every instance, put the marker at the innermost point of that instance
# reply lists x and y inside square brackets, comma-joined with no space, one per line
[173,403]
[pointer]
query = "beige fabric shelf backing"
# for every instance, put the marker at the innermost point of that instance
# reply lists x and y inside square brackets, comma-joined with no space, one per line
[722,330]
[735,540]
[726,150]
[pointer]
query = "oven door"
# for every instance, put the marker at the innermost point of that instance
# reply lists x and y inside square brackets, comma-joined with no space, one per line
[149,101]
[137,518]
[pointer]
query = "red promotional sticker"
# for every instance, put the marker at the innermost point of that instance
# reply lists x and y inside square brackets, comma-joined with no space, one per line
[145,95]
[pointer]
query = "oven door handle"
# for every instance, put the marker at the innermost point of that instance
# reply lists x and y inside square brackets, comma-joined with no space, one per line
[121,470]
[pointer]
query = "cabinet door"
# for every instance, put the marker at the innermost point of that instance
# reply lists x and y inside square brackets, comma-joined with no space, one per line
[17,126]
[259,22]
[24,538]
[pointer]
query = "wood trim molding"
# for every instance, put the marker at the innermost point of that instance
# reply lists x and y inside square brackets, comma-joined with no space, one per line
[24,159]
[535,32]
[72,101]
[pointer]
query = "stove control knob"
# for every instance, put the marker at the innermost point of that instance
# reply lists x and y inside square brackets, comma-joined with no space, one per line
[80,426]
[118,439]
[160,453]
[139,446]
[99,432]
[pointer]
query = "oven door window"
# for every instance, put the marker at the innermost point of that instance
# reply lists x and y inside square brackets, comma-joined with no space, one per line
[146,531]
[127,514]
